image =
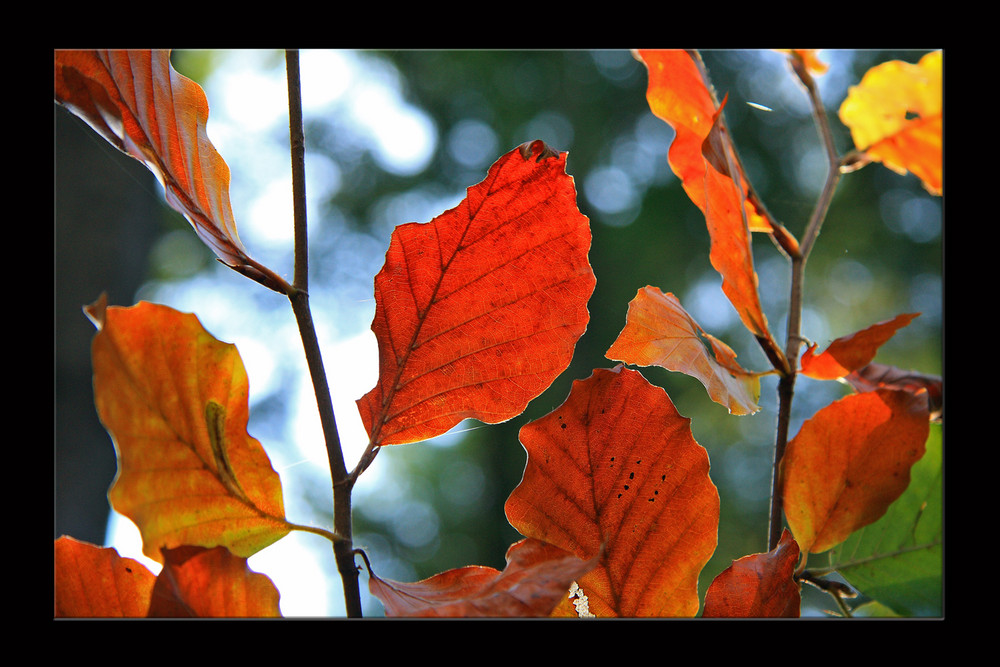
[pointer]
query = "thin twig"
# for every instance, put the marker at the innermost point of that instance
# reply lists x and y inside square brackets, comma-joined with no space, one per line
[793,341]
[296,137]
[299,297]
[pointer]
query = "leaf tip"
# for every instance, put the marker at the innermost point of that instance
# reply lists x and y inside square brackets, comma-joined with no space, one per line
[96,311]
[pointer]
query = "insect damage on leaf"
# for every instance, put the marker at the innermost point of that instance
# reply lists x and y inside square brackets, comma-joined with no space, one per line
[215,420]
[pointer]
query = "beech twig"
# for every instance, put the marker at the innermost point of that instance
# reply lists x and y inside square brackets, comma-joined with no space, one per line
[793,341]
[299,297]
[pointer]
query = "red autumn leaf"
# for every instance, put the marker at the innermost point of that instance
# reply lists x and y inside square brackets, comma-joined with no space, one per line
[876,376]
[211,583]
[703,158]
[659,332]
[896,116]
[145,108]
[536,578]
[95,582]
[849,462]
[849,353]
[757,586]
[614,472]
[479,310]
[174,400]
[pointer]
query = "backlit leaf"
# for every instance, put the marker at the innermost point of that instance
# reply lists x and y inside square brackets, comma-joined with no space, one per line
[479,310]
[757,586]
[659,332]
[703,158]
[615,472]
[95,582]
[145,108]
[809,58]
[536,578]
[850,353]
[174,400]
[849,462]
[896,116]
[211,583]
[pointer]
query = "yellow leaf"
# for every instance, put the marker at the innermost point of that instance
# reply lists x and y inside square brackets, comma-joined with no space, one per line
[896,115]
[174,400]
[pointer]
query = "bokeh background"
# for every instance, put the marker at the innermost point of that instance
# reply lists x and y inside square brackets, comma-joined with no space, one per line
[395,137]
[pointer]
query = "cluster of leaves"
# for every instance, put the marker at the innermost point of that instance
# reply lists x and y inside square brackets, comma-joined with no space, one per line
[477,312]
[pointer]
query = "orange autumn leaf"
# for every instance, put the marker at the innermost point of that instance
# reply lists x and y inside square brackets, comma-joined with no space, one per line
[659,332]
[95,582]
[174,400]
[536,578]
[757,586]
[211,583]
[850,353]
[145,108]
[479,310]
[615,472]
[896,116]
[809,59]
[703,158]
[849,462]
[679,95]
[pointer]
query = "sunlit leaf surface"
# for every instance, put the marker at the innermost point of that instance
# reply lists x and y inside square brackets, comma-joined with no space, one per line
[849,462]
[896,115]
[174,400]
[659,332]
[479,310]
[140,104]
[615,472]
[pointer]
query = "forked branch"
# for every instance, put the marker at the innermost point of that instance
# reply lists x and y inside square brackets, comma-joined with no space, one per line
[793,341]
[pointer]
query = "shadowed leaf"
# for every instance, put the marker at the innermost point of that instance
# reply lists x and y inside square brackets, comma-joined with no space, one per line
[211,583]
[757,586]
[880,376]
[536,578]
